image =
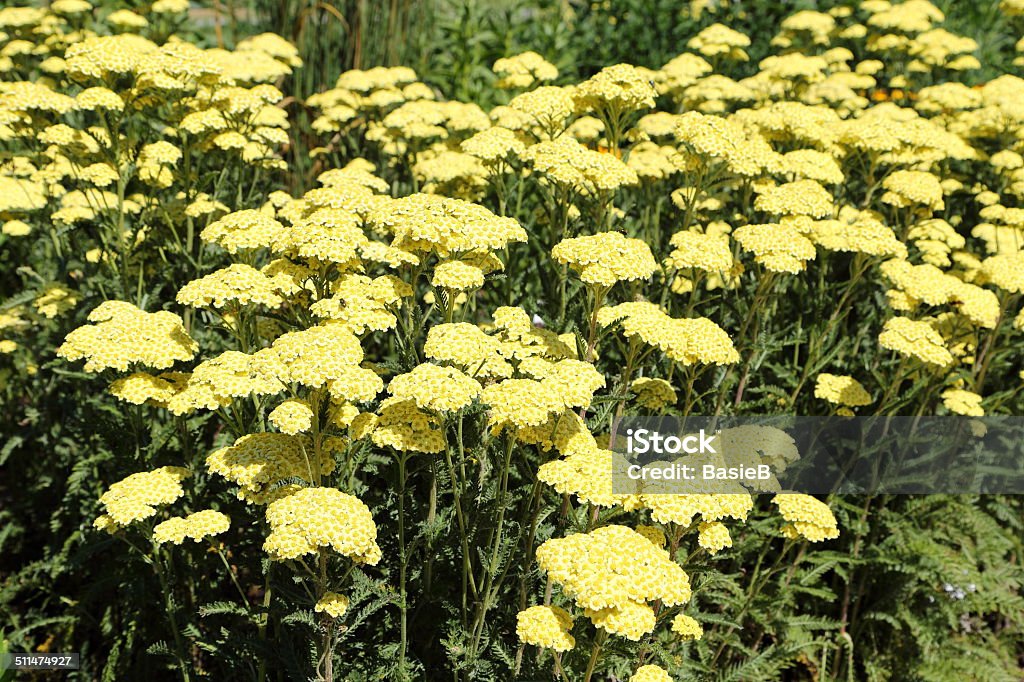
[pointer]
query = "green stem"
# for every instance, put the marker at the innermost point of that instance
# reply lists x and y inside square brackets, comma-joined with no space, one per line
[594,653]
[402,567]
[165,589]
[491,567]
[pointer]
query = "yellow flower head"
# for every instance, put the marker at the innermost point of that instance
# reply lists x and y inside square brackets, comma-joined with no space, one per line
[687,627]
[494,145]
[701,251]
[913,188]
[259,462]
[521,402]
[1006,271]
[917,339]
[139,388]
[606,258]
[545,626]
[236,285]
[457,275]
[314,356]
[619,88]
[613,566]
[778,247]
[681,509]
[718,40]
[197,526]
[653,393]
[801,197]
[567,163]
[314,518]
[435,388]
[650,673]
[686,341]
[743,152]
[523,71]
[713,536]
[586,472]
[243,230]
[806,517]
[628,619]
[841,390]
[122,335]
[407,428]
[55,300]
[963,402]
[467,346]
[232,374]
[292,416]
[333,604]
[135,498]
[424,222]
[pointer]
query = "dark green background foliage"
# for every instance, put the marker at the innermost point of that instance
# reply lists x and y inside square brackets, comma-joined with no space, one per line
[922,588]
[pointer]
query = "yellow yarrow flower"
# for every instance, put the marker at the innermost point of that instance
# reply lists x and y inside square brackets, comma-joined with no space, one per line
[545,626]
[963,402]
[567,163]
[242,230]
[200,525]
[236,285]
[293,416]
[650,673]
[401,425]
[653,393]
[457,275]
[435,388]
[628,619]
[122,335]
[618,88]
[687,627]
[467,346]
[586,473]
[713,536]
[55,300]
[613,566]
[701,251]
[232,374]
[681,509]
[259,462]
[778,247]
[841,390]
[139,388]
[913,188]
[16,228]
[802,197]
[687,341]
[333,604]
[1006,271]
[806,517]
[523,71]
[521,402]
[136,497]
[917,339]
[494,145]
[312,518]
